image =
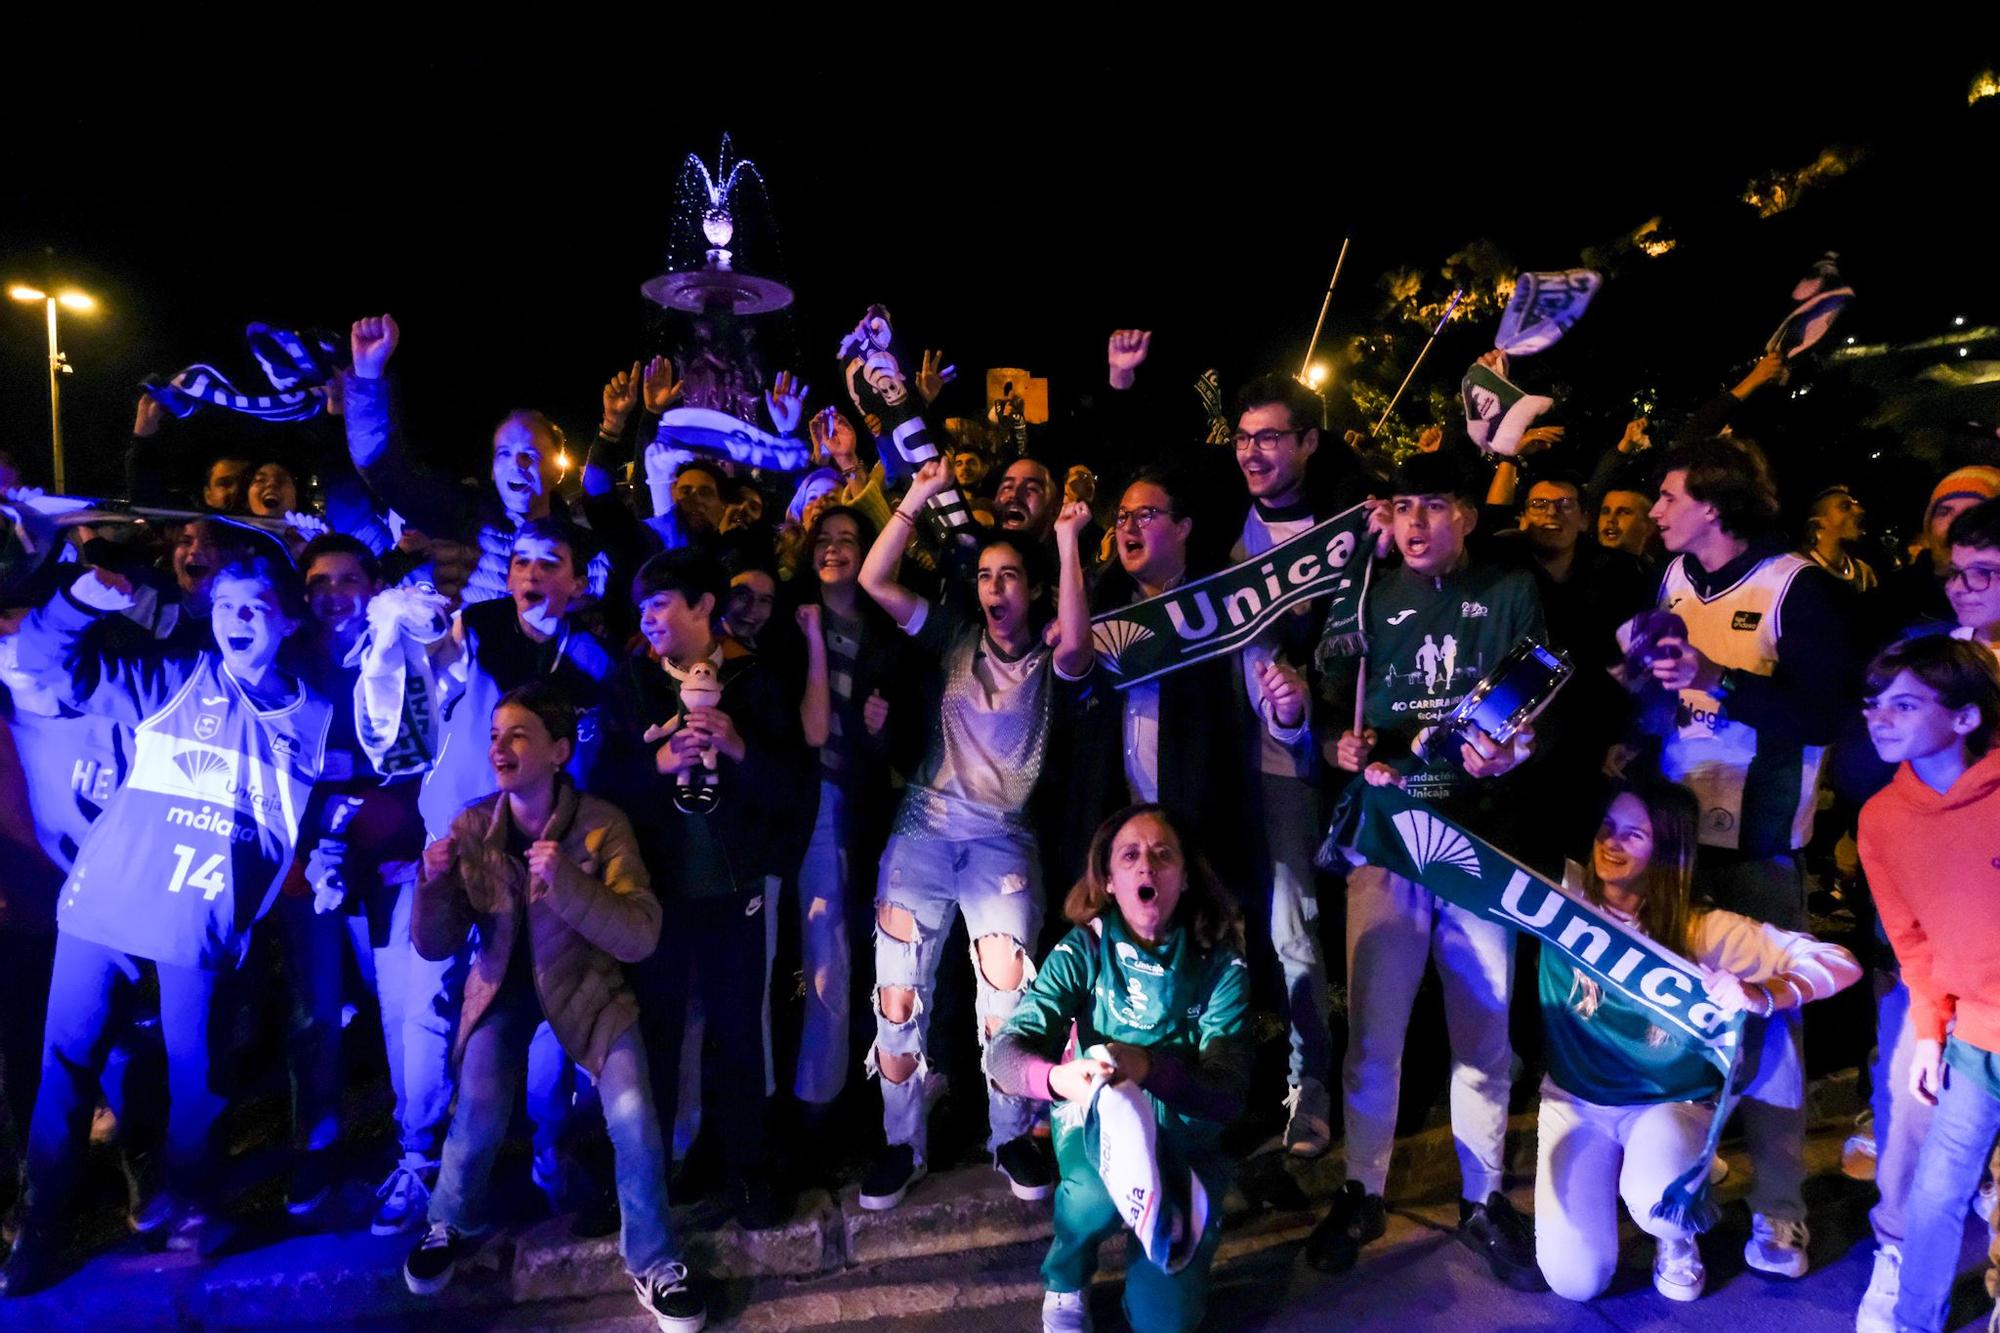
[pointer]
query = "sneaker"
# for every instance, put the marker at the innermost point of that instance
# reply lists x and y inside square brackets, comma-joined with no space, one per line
[1677,1271]
[1504,1238]
[189,1232]
[1065,1312]
[436,1258]
[1857,1155]
[1029,1167]
[1308,1133]
[1356,1218]
[311,1182]
[1776,1246]
[669,1296]
[405,1196]
[755,1204]
[890,1178]
[150,1214]
[1878,1304]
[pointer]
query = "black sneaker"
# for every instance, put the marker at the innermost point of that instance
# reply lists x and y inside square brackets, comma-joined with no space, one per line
[435,1260]
[1355,1218]
[890,1178]
[1029,1167]
[669,1296]
[311,1183]
[1504,1238]
[32,1265]
[755,1204]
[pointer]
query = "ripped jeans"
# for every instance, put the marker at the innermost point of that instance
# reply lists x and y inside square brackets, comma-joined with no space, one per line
[996,883]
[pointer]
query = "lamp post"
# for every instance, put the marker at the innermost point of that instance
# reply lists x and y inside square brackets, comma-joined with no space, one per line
[58,363]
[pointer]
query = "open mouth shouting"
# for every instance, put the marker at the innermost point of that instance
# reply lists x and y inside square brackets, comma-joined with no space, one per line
[1013,516]
[239,643]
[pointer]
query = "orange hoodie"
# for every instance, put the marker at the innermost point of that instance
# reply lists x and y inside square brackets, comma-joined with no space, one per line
[1933,863]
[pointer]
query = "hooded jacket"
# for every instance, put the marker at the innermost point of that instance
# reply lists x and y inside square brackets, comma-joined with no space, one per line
[580,928]
[1933,863]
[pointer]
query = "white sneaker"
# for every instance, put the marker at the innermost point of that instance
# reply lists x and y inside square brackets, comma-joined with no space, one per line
[1776,1246]
[1065,1312]
[1677,1271]
[1878,1304]
[1308,1132]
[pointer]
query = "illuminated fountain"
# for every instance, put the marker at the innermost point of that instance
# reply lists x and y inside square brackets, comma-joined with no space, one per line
[717,286]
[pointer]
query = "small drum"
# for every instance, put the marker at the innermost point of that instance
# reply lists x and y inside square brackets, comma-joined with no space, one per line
[1511,696]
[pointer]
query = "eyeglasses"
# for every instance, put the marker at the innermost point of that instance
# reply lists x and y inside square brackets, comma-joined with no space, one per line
[1142,517]
[1976,578]
[1544,505]
[1265,441]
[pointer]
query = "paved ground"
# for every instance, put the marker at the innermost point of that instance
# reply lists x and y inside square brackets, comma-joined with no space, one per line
[1417,1278]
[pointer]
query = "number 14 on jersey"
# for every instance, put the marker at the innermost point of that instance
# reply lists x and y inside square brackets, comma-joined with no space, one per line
[207,877]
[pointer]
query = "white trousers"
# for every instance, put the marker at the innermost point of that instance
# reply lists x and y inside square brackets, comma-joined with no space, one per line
[1589,1157]
[1393,926]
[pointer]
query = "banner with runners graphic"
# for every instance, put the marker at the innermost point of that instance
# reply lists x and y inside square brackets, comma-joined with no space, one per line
[1224,612]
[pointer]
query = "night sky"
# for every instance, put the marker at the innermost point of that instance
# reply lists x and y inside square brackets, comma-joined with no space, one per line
[1011,195]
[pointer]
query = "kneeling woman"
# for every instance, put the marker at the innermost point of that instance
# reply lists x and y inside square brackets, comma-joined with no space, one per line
[1625,1112]
[1153,980]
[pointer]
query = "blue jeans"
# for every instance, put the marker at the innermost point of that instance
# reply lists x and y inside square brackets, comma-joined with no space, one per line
[1901,1121]
[91,997]
[1292,827]
[507,1042]
[1948,1166]
[996,884]
[823,950]
[419,1000]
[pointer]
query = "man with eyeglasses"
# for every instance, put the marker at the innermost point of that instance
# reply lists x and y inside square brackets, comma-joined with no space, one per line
[1158,741]
[1587,591]
[1970,578]
[1276,437]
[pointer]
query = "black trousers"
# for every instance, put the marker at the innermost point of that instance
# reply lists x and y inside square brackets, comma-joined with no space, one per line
[716,944]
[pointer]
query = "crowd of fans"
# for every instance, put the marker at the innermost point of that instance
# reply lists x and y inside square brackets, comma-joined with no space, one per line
[544,763]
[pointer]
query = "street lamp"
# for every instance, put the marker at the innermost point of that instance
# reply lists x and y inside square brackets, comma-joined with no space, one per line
[82,304]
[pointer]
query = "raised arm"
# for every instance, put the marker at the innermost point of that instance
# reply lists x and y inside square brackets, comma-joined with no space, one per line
[878,571]
[126,682]
[816,705]
[1074,652]
[430,501]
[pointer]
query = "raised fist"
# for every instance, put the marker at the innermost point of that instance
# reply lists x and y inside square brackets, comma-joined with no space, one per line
[373,341]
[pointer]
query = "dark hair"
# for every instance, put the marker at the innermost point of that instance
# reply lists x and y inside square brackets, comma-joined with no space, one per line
[547,702]
[715,474]
[1037,562]
[1961,673]
[1554,477]
[1166,479]
[687,571]
[864,527]
[1206,908]
[1437,473]
[1978,527]
[341,543]
[1733,476]
[550,528]
[280,578]
[539,422]
[1302,403]
[1667,911]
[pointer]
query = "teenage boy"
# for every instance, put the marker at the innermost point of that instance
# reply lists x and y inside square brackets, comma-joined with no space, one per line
[1972,579]
[1763,674]
[1437,623]
[554,885]
[1927,844]
[491,647]
[186,859]
[684,703]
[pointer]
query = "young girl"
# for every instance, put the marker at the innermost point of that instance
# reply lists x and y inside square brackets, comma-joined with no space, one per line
[1153,981]
[1614,1125]
[962,840]
[1927,842]
[552,882]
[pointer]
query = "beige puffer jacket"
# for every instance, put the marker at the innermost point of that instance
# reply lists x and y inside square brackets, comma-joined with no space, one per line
[580,929]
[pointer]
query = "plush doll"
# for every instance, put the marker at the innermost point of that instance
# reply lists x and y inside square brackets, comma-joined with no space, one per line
[1639,638]
[699,788]
[397,716]
[872,368]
